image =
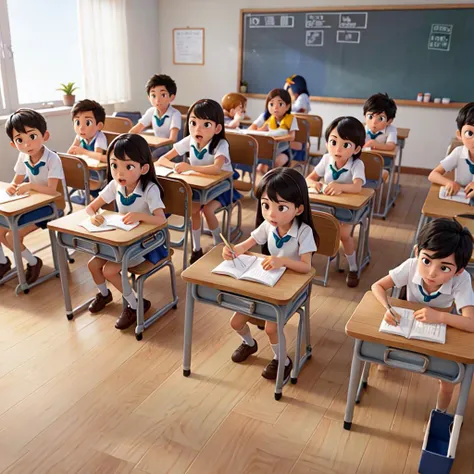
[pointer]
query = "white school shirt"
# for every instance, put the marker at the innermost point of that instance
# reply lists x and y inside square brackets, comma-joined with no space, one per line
[457,290]
[100,140]
[148,200]
[301,242]
[355,167]
[301,102]
[222,149]
[456,160]
[52,168]
[388,135]
[173,120]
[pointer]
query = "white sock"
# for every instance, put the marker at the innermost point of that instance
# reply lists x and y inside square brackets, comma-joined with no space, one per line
[246,336]
[196,239]
[29,257]
[216,236]
[103,289]
[131,299]
[351,260]
[3,259]
[275,353]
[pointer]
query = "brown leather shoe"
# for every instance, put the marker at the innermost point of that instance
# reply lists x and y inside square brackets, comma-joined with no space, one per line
[244,351]
[352,279]
[99,302]
[129,316]
[5,268]
[270,371]
[33,271]
[195,256]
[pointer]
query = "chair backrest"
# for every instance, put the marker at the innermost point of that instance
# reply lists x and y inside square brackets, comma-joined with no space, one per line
[61,200]
[243,149]
[182,109]
[110,136]
[303,133]
[328,229]
[373,163]
[315,125]
[177,197]
[267,147]
[75,170]
[454,144]
[117,124]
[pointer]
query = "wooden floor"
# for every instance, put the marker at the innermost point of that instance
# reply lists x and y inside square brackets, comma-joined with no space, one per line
[81,396]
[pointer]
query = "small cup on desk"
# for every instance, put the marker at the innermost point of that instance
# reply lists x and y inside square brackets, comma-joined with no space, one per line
[419,97]
[427,97]
[437,100]
[446,100]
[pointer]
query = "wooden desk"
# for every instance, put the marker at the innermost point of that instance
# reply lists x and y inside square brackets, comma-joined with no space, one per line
[291,294]
[345,200]
[94,164]
[201,181]
[10,215]
[451,362]
[402,135]
[156,142]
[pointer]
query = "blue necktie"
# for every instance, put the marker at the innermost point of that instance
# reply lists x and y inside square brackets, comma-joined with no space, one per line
[199,154]
[279,241]
[427,298]
[373,136]
[336,173]
[471,166]
[87,146]
[160,121]
[128,200]
[36,168]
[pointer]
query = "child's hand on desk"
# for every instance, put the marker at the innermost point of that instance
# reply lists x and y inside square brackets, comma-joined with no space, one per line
[389,319]
[452,188]
[24,188]
[227,254]
[97,219]
[131,218]
[370,144]
[318,186]
[11,190]
[182,167]
[333,189]
[263,129]
[74,150]
[428,315]
[469,190]
[271,263]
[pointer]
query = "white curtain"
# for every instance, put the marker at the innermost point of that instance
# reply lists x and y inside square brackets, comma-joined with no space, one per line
[104,50]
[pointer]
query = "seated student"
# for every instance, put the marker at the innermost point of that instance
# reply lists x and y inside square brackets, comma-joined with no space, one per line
[379,112]
[162,117]
[296,86]
[437,278]
[234,106]
[342,172]
[278,120]
[461,159]
[27,130]
[136,191]
[88,117]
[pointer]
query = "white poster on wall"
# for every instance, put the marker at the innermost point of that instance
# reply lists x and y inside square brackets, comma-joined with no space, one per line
[188,46]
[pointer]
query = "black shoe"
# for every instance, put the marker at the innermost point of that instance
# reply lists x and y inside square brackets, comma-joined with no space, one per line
[33,271]
[270,371]
[99,302]
[244,351]
[5,268]
[195,256]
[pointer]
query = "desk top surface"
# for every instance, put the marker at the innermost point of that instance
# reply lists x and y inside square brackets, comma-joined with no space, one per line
[345,200]
[20,206]
[94,164]
[436,207]
[200,180]
[365,322]
[156,141]
[290,284]
[120,238]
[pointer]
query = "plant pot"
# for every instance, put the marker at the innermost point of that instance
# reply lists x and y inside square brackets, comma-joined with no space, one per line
[68,100]
[243,89]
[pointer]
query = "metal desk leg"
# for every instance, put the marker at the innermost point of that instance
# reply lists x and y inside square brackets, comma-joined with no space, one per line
[188,329]
[399,168]
[363,381]
[63,274]
[22,285]
[281,354]
[353,383]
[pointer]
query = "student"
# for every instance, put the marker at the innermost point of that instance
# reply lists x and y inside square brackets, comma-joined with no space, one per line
[379,112]
[278,120]
[162,117]
[437,278]
[461,159]
[208,153]
[342,172]
[285,230]
[27,130]
[135,189]
[296,86]
[234,106]
[88,117]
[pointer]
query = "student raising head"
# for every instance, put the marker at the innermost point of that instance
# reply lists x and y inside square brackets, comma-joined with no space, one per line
[379,112]
[234,106]
[296,86]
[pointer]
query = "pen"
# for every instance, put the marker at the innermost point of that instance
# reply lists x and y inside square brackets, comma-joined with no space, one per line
[393,313]
[232,251]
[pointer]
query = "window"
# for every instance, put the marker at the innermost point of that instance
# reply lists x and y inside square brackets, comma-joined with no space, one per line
[39,49]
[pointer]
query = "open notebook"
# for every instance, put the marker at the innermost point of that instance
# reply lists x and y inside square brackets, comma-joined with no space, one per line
[5,197]
[249,267]
[163,171]
[112,222]
[314,191]
[459,197]
[410,328]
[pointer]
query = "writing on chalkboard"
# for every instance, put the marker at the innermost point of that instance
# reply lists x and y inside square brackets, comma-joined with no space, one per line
[271,21]
[348,37]
[440,37]
[314,38]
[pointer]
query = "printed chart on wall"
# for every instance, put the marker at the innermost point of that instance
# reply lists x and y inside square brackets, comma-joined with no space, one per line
[354,53]
[188,46]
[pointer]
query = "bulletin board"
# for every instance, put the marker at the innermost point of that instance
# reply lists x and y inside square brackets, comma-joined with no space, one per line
[188,46]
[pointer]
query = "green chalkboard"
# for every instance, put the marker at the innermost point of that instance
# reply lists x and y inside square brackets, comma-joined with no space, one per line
[355,53]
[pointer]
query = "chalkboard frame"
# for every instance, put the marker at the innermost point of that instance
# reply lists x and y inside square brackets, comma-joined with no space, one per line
[347,100]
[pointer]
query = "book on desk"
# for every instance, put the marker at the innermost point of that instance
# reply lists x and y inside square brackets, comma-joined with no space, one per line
[111,222]
[459,197]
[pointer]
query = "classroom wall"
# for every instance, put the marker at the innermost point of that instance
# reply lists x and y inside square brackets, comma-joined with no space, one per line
[431,128]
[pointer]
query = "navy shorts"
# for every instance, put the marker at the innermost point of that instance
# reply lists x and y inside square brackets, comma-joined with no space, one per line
[46,211]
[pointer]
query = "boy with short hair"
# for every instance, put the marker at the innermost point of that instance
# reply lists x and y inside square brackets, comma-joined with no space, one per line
[88,117]
[162,117]
[379,112]
[28,132]
[234,106]
[461,159]
[436,278]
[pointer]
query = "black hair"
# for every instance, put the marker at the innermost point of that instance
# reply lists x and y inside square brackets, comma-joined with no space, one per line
[87,105]
[297,84]
[136,148]
[291,187]
[348,128]
[284,96]
[379,103]
[466,116]
[208,109]
[445,237]
[23,118]
[161,80]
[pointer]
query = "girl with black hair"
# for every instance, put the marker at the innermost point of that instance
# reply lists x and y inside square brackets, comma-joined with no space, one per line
[296,86]
[135,189]
[286,233]
[209,154]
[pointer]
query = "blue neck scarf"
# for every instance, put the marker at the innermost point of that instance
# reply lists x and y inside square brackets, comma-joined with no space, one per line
[128,200]
[373,136]
[160,121]
[471,166]
[36,168]
[88,146]
[426,297]
[336,173]
[199,154]
[279,241]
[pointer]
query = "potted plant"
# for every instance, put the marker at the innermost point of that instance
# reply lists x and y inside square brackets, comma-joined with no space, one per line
[68,90]
[243,86]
